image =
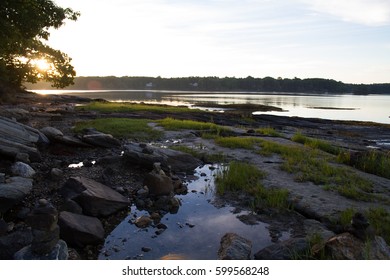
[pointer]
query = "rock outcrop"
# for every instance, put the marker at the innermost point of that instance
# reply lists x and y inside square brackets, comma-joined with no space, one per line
[234,247]
[94,198]
[13,191]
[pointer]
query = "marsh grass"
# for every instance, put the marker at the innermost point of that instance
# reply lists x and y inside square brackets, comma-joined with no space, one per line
[374,162]
[127,107]
[237,142]
[244,177]
[308,164]
[316,144]
[205,156]
[137,129]
[208,129]
[268,131]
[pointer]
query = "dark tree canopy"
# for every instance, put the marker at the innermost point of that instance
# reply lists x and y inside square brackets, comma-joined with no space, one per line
[24,28]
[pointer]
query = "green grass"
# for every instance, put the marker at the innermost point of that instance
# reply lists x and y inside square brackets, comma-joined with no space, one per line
[137,129]
[268,131]
[236,142]
[208,129]
[308,164]
[244,177]
[205,156]
[316,144]
[125,107]
[374,162]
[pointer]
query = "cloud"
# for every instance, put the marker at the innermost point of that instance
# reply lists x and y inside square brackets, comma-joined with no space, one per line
[366,12]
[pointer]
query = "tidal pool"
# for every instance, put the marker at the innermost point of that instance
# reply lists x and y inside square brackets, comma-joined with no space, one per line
[194,232]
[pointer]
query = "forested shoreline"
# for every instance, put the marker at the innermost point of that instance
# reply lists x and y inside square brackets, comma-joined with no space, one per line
[267,84]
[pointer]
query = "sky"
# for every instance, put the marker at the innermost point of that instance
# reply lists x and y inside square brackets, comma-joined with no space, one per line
[344,40]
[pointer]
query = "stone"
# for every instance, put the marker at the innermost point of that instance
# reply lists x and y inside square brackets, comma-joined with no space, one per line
[313,227]
[3,227]
[346,246]
[56,174]
[234,247]
[44,217]
[23,157]
[176,160]
[59,252]
[285,250]
[144,192]
[158,184]
[95,198]
[72,206]
[143,221]
[102,140]
[2,178]
[12,192]
[44,241]
[52,133]
[13,242]
[80,230]
[22,169]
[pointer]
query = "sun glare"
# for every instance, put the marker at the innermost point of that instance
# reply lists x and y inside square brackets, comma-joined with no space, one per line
[42,64]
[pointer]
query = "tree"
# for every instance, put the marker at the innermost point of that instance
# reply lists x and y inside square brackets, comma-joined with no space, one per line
[24,55]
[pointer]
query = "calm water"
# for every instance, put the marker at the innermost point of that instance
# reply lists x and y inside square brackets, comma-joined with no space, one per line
[374,108]
[194,232]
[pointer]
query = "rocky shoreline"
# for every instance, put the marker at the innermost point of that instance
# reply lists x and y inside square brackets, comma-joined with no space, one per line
[52,208]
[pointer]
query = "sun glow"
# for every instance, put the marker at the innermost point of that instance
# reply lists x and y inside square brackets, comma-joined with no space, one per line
[42,64]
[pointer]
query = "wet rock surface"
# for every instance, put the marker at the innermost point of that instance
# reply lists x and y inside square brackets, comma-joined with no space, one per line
[234,247]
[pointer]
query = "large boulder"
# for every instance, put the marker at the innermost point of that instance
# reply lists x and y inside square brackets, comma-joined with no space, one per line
[80,230]
[59,252]
[234,247]
[95,198]
[286,250]
[22,169]
[146,156]
[13,191]
[346,246]
[157,182]
[55,135]
[101,140]
[13,242]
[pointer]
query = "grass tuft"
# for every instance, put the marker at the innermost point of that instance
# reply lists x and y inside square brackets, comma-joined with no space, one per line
[268,131]
[236,142]
[316,144]
[122,128]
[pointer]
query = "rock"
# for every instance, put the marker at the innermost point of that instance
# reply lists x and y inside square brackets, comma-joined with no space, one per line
[52,133]
[346,246]
[72,206]
[80,230]
[313,227]
[2,178]
[56,174]
[13,242]
[146,249]
[23,157]
[13,192]
[143,222]
[95,198]
[102,140]
[285,250]
[22,169]
[144,192]
[178,161]
[234,247]
[3,227]
[158,183]
[11,149]
[59,252]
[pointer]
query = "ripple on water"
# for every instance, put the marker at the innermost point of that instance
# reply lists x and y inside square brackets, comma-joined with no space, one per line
[194,232]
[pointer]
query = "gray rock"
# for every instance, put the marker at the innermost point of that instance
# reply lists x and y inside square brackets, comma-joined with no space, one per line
[102,140]
[3,227]
[23,157]
[286,250]
[59,252]
[52,133]
[80,230]
[95,198]
[234,247]
[56,174]
[313,227]
[13,192]
[158,184]
[11,149]
[2,178]
[346,246]
[72,206]
[22,169]
[13,242]
[176,160]
[143,221]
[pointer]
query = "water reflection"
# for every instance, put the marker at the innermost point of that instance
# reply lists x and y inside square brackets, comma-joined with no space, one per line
[193,233]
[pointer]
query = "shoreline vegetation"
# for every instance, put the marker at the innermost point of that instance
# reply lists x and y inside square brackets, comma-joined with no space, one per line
[248,84]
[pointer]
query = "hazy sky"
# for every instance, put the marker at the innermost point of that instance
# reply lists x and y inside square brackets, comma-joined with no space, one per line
[346,40]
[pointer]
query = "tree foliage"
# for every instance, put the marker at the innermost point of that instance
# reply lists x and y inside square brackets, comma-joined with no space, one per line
[24,29]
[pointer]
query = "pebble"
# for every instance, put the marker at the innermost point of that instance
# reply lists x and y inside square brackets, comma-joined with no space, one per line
[146,249]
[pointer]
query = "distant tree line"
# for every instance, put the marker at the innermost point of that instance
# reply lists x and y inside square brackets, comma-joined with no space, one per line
[267,84]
